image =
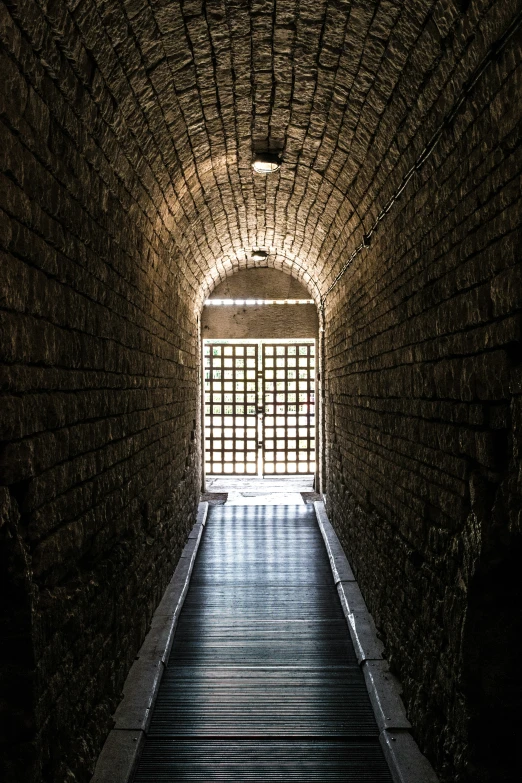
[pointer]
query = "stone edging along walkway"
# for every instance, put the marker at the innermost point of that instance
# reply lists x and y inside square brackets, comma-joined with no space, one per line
[122,747]
[120,753]
[406,762]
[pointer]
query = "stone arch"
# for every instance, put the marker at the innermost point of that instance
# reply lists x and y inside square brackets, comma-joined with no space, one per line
[283,260]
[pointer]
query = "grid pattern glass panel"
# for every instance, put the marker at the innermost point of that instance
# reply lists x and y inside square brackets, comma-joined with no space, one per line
[231,438]
[288,408]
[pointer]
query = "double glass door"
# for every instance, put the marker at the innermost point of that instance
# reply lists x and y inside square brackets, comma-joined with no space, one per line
[259,407]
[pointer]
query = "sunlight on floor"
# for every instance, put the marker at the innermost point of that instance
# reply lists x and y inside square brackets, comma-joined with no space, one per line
[262,491]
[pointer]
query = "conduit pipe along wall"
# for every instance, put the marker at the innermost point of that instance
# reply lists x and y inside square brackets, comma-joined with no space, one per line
[423,407]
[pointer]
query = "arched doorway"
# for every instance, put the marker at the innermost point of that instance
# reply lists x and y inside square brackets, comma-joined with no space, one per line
[260,377]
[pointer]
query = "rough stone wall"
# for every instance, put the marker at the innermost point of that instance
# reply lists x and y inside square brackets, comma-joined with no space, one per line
[99,471]
[260,321]
[242,322]
[127,194]
[423,412]
[260,283]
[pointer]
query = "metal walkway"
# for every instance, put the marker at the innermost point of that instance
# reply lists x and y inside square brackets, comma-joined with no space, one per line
[262,682]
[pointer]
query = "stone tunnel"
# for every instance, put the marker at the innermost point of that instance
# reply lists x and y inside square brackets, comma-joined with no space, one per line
[127,195]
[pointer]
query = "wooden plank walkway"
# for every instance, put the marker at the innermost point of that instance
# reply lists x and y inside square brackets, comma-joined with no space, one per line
[262,682]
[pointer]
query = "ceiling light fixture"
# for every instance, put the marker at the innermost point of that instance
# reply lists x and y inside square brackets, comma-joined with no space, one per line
[265,162]
[259,255]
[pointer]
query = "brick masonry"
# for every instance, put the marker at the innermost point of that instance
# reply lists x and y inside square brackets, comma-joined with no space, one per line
[100,471]
[423,421]
[126,196]
[260,321]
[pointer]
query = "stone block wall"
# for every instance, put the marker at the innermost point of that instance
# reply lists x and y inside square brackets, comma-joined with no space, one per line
[423,401]
[263,321]
[99,465]
[126,194]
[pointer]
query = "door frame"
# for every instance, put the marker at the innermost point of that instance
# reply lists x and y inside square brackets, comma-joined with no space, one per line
[318,401]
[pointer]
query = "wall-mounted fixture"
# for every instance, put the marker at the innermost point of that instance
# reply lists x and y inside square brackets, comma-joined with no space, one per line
[265,162]
[259,255]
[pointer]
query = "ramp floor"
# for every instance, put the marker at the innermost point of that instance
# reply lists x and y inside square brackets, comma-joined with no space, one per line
[262,683]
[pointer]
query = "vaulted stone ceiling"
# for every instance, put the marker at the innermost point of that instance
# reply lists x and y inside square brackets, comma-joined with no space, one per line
[333,84]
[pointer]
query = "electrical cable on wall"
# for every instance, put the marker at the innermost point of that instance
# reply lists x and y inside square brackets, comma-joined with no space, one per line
[493,53]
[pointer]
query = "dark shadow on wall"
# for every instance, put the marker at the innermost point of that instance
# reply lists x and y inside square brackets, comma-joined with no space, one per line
[492,680]
[17,665]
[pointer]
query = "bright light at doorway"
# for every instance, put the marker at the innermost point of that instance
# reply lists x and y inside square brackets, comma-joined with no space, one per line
[241,302]
[259,407]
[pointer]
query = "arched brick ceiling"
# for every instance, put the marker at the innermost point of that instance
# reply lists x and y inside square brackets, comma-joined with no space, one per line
[334,84]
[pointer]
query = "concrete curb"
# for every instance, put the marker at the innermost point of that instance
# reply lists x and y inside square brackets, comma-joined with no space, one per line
[117,760]
[407,764]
